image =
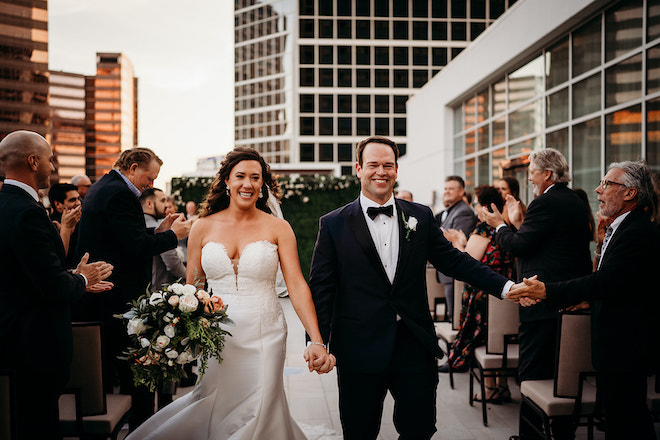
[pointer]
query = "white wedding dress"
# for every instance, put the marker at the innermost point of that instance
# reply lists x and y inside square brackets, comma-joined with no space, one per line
[242,397]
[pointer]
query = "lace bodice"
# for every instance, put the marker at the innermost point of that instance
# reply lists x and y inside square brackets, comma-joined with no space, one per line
[254,274]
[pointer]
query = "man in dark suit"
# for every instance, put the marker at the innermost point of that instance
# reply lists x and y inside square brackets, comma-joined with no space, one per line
[623,296]
[112,227]
[368,285]
[553,242]
[456,215]
[36,289]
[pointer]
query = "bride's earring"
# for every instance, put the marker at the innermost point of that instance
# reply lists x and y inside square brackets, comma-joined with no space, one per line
[227,191]
[261,194]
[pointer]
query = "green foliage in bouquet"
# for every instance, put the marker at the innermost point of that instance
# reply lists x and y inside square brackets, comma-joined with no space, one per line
[172,327]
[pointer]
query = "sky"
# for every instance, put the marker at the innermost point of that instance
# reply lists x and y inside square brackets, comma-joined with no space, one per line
[183,56]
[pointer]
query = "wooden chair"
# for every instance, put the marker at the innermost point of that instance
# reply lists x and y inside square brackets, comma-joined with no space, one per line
[8,418]
[568,394]
[447,331]
[435,292]
[499,356]
[85,409]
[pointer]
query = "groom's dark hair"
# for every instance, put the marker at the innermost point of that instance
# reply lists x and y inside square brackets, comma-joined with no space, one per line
[376,140]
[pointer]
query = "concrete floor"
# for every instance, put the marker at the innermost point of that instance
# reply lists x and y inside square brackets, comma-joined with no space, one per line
[313,401]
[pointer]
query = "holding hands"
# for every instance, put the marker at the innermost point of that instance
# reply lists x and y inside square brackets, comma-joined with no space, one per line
[527,293]
[318,359]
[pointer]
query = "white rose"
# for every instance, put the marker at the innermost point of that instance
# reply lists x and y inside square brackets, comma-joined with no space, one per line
[171,353]
[173,300]
[203,296]
[168,317]
[144,342]
[412,223]
[162,341]
[188,303]
[184,358]
[170,362]
[169,331]
[156,298]
[189,289]
[177,288]
[135,327]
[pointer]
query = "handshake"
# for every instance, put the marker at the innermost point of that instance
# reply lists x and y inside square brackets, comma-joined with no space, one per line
[527,293]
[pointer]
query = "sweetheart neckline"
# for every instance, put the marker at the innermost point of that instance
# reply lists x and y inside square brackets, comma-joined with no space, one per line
[242,250]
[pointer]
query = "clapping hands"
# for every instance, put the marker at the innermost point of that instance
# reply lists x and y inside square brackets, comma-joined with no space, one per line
[318,359]
[95,273]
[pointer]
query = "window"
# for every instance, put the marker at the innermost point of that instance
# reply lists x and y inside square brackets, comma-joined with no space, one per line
[306,28]
[325,55]
[326,29]
[325,7]
[400,103]
[363,77]
[344,152]
[623,29]
[363,127]
[439,31]
[325,103]
[344,55]
[420,77]
[382,56]
[344,29]
[401,78]
[400,9]
[382,30]
[458,9]
[362,28]
[382,78]
[307,152]
[399,126]
[400,56]
[400,30]
[306,54]
[458,31]
[326,153]
[586,42]
[420,56]
[420,30]
[307,126]
[344,7]
[381,8]
[345,78]
[325,78]
[307,103]
[325,127]
[382,127]
[363,55]
[307,77]
[478,9]
[439,55]
[344,126]
[363,103]
[439,8]
[623,81]
[476,28]
[344,103]
[382,103]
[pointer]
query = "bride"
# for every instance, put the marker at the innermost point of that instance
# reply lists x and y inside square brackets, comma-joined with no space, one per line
[237,245]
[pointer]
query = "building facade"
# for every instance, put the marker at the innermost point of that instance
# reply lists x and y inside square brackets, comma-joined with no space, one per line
[581,76]
[23,66]
[67,128]
[314,77]
[111,112]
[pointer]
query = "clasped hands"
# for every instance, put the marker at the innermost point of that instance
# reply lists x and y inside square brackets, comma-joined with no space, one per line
[95,273]
[318,359]
[527,293]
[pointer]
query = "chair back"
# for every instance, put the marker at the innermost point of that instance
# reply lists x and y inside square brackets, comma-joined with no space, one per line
[458,304]
[434,288]
[87,367]
[502,320]
[574,356]
[7,405]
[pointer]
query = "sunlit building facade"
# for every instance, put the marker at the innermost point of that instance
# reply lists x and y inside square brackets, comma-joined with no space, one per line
[313,77]
[23,66]
[111,112]
[581,76]
[67,128]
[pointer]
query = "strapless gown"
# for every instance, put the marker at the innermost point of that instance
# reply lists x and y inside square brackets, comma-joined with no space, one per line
[242,397]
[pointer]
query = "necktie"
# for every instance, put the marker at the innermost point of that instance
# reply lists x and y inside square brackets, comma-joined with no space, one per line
[372,211]
[608,234]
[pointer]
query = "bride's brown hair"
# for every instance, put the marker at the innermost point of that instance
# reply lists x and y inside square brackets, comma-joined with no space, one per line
[217,198]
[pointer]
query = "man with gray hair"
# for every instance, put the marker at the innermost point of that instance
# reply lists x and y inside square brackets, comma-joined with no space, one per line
[623,298]
[83,183]
[553,243]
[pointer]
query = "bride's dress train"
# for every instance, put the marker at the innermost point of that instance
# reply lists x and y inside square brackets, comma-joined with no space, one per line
[242,397]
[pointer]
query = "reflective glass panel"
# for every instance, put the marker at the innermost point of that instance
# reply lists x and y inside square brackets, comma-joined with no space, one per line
[556,64]
[499,131]
[623,135]
[458,119]
[458,146]
[557,108]
[470,174]
[526,120]
[526,82]
[653,134]
[586,96]
[558,140]
[483,103]
[586,42]
[586,157]
[623,81]
[484,170]
[470,112]
[623,28]
[653,21]
[499,96]
[498,157]
[526,146]
[483,135]
[470,140]
[653,69]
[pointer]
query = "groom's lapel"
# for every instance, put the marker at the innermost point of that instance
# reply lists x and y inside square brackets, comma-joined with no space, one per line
[404,244]
[360,229]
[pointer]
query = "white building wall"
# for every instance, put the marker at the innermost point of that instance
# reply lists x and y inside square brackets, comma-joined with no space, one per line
[525,29]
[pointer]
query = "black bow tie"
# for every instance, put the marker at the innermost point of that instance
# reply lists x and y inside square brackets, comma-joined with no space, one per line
[372,211]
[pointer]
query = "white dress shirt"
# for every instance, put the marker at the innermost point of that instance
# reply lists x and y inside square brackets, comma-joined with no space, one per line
[384,231]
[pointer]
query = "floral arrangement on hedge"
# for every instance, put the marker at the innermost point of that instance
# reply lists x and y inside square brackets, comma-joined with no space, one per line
[170,328]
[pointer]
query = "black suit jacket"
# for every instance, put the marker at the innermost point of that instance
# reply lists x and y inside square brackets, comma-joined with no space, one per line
[35,292]
[552,242]
[355,302]
[112,229]
[623,294]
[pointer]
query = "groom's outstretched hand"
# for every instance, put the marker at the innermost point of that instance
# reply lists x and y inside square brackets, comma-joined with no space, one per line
[318,359]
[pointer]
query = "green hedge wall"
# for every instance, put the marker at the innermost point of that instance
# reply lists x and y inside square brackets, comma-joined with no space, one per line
[305,199]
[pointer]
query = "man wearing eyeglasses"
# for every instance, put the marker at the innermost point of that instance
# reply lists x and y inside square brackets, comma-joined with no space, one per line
[624,297]
[553,243]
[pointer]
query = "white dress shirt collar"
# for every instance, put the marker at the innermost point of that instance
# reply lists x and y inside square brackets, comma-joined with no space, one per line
[24,186]
[366,203]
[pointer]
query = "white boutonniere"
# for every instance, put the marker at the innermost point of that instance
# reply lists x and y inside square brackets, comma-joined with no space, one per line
[410,225]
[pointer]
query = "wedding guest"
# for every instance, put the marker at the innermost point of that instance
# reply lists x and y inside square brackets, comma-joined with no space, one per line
[65,203]
[404,194]
[509,188]
[553,242]
[368,284]
[191,210]
[457,215]
[36,289]
[83,183]
[112,227]
[629,258]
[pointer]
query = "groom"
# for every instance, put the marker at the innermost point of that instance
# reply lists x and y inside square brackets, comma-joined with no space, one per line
[368,284]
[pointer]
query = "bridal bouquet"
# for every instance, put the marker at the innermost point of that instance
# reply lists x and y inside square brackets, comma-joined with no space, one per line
[172,327]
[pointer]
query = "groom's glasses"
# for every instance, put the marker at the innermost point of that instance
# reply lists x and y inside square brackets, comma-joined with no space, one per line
[605,183]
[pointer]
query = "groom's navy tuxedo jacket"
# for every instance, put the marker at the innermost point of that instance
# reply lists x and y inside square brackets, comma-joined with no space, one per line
[356,304]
